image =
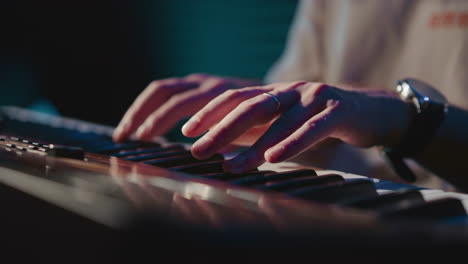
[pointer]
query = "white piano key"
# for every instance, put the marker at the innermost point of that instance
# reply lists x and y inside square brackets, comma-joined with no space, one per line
[430,195]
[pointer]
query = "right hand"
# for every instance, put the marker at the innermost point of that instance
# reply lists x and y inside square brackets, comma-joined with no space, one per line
[165,102]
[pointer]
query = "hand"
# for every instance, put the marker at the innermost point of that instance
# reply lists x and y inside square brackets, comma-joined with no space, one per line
[165,102]
[308,113]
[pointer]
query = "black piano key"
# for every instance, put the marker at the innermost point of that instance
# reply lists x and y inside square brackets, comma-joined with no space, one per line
[149,150]
[201,167]
[116,147]
[230,176]
[66,152]
[149,158]
[175,161]
[432,210]
[92,145]
[336,192]
[259,179]
[302,182]
[88,139]
[389,201]
[180,160]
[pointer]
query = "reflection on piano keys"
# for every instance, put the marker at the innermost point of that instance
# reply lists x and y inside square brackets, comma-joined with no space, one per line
[158,188]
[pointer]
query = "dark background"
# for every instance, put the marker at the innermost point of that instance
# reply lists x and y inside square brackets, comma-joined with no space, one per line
[90,59]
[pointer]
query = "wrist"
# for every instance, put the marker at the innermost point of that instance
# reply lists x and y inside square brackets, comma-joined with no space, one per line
[403,115]
[394,116]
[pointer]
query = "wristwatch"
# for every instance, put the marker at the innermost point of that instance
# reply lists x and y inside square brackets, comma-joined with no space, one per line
[430,108]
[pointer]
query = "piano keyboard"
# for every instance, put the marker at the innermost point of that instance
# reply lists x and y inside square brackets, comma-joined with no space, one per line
[76,165]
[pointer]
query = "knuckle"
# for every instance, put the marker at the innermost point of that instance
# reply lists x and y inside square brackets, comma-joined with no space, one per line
[217,82]
[197,76]
[311,124]
[154,86]
[178,99]
[253,89]
[251,104]
[160,86]
[245,106]
[293,86]
[328,96]
[232,94]
[337,105]
[319,89]
[154,83]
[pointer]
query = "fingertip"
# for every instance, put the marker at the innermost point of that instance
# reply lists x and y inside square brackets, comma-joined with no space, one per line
[116,137]
[189,128]
[275,154]
[118,134]
[203,148]
[185,131]
[199,154]
[196,152]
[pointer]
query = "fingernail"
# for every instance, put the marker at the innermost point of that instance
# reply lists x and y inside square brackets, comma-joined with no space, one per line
[190,126]
[274,154]
[237,164]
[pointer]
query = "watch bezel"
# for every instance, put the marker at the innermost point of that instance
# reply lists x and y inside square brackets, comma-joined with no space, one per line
[420,94]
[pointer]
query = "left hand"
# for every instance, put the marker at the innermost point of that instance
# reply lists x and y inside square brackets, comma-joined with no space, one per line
[307,114]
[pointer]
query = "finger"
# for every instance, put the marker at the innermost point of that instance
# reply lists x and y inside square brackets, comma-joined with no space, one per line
[281,128]
[314,100]
[314,130]
[177,108]
[199,77]
[150,99]
[216,109]
[250,113]
[252,135]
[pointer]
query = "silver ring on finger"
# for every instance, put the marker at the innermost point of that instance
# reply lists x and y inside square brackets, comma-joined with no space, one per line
[277,101]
